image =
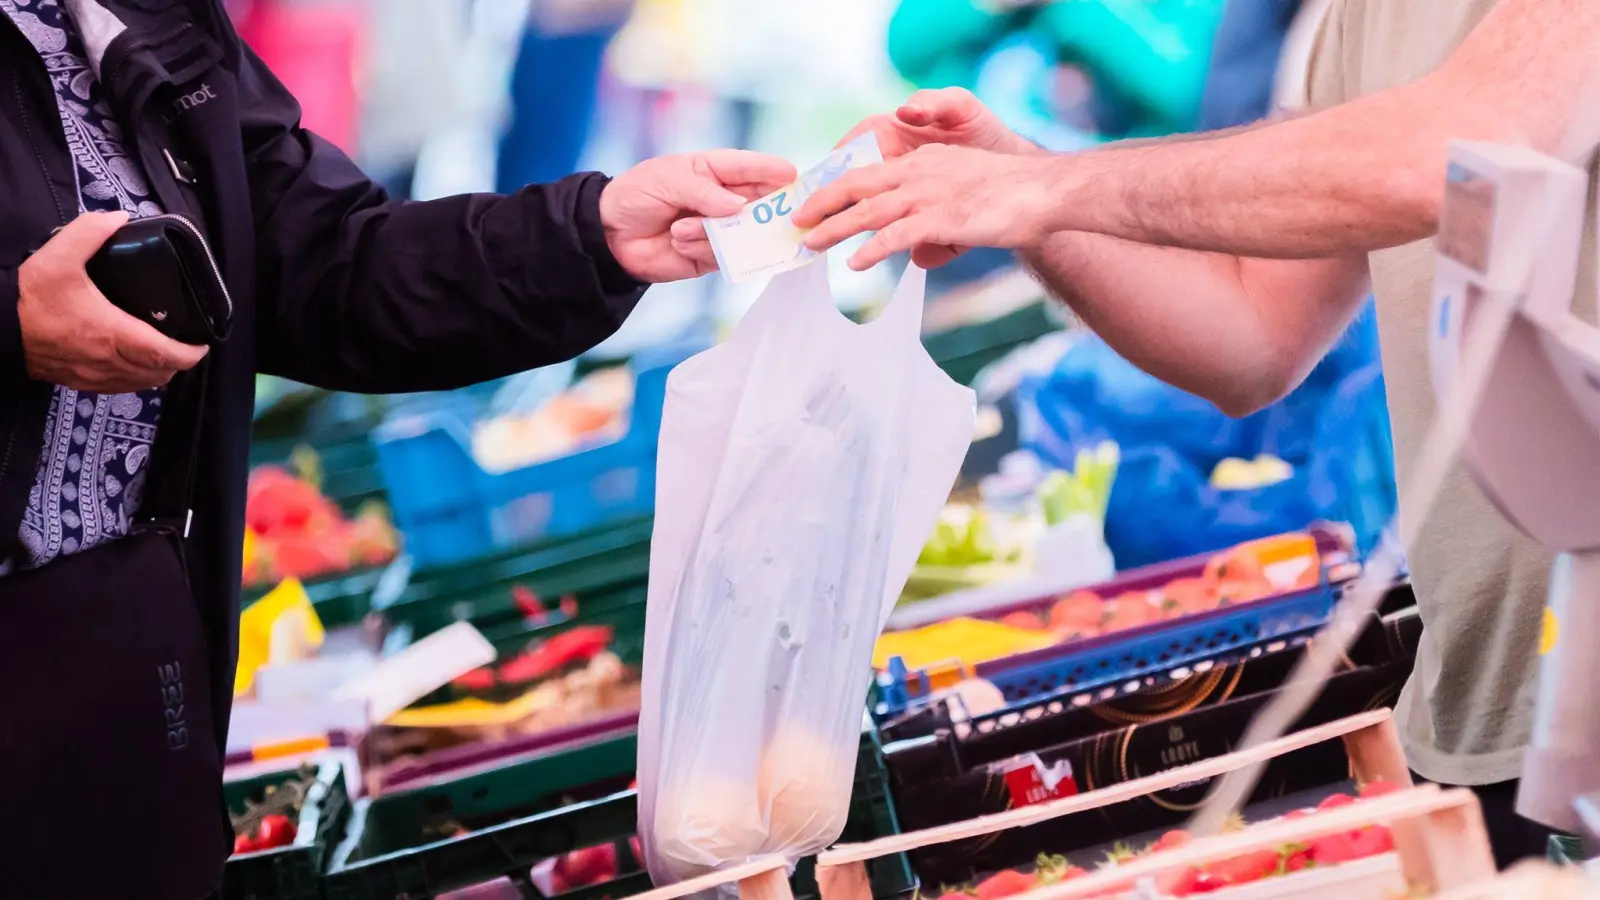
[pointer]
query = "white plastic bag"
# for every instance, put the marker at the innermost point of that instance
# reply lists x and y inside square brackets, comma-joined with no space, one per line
[802,465]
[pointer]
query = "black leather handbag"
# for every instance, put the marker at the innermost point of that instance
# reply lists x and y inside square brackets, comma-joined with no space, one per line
[160,270]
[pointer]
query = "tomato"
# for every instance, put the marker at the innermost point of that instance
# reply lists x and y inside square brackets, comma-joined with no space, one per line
[244,843]
[1336,801]
[1170,840]
[275,831]
[1080,612]
[1247,868]
[1131,610]
[1023,619]
[1005,884]
[638,850]
[1184,596]
[1377,789]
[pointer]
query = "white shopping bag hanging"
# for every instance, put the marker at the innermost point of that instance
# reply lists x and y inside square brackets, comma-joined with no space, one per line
[802,465]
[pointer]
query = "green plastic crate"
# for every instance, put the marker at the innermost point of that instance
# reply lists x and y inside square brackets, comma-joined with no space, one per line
[964,352]
[395,850]
[292,872]
[522,813]
[600,568]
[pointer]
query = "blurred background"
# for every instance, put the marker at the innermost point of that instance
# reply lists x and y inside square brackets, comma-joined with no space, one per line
[523,507]
[437,97]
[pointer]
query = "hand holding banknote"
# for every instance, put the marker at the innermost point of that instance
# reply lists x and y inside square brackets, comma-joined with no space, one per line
[638,208]
[956,177]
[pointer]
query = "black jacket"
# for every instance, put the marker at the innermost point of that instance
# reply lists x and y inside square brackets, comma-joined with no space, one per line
[333,283]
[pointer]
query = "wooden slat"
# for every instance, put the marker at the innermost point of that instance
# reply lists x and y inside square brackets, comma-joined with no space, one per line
[1118,793]
[1414,803]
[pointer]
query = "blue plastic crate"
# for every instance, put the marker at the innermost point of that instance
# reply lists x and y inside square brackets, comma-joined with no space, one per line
[1159,647]
[1088,665]
[450,509]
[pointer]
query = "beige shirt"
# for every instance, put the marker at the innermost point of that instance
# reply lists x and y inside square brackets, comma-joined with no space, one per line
[1466,713]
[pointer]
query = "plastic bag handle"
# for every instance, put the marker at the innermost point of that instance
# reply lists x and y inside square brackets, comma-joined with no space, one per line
[903,315]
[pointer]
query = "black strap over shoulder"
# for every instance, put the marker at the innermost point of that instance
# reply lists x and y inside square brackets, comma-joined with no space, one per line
[169,486]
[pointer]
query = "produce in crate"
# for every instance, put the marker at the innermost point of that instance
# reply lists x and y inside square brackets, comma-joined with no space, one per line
[270,822]
[592,411]
[1246,868]
[1242,574]
[293,531]
[570,683]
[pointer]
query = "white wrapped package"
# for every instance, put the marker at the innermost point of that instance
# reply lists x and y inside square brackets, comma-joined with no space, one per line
[802,465]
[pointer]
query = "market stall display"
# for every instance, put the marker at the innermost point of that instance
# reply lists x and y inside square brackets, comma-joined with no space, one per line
[1438,839]
[1145,620]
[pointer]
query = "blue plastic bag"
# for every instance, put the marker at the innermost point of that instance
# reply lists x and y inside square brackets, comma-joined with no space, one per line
[1333,430]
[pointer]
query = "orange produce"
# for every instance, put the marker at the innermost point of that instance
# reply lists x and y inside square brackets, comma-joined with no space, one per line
[1131,610]
[1023,619]
[1078,613]
[1184,596]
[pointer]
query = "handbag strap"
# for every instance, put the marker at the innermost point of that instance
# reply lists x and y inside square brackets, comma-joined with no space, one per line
[169,486]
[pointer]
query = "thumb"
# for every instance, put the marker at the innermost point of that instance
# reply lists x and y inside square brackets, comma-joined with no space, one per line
[942,108]
[144,346]
[84,236]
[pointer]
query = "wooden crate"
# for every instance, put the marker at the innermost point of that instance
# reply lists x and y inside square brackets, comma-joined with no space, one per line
[1439,835]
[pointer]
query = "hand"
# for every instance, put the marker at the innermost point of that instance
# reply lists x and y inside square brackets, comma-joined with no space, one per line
[949,197]
[73,336]
[947,116]
[640,206]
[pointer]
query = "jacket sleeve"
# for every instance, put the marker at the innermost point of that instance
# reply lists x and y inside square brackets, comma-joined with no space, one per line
[13,367]
[359,292]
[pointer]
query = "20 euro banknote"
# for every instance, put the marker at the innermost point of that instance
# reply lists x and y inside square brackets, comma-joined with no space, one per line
[761,239]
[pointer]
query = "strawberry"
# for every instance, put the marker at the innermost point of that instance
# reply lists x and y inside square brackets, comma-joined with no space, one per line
[1120,853]
[1332,849]
[1295,857]
[1371,841]
[1171,839]
[1335,801]
[1055,869]
[1005,884]
[1377,789]
[1188,882]
[1246,868]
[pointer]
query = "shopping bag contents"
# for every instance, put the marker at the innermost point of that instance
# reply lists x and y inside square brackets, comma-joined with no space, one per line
[802,465]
